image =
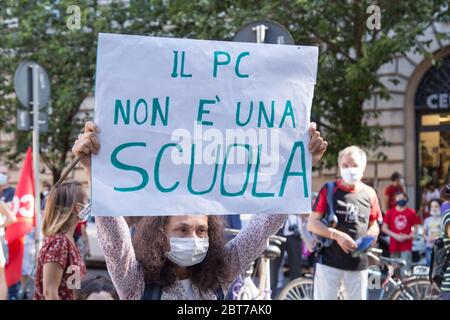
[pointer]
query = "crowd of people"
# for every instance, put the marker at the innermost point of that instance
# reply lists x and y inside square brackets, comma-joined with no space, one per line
[401,224]
[190,257]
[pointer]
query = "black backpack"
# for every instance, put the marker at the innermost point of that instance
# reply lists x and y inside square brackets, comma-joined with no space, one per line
[316,243]
[153,291]
[439,262]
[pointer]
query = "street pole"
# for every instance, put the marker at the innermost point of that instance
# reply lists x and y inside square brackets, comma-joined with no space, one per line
[37,193]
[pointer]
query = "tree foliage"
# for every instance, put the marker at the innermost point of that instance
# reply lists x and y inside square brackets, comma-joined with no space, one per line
[350,53]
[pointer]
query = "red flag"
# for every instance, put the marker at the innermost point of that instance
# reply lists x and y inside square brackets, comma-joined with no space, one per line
[23,208]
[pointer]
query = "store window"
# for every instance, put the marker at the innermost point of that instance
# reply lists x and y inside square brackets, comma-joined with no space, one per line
[434,149]
[433,129]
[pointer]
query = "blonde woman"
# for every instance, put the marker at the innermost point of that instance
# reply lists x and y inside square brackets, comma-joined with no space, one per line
[60,266]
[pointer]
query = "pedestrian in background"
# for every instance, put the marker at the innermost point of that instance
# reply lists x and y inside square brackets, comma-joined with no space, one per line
[401,224]
[6,218]
[46,187]
[391,190]
[82,240]
[28,261]
[6,196]
[431,192]
[232,221]
[293,246]
[358,212]
[59,258]
[432,227]
[6,191]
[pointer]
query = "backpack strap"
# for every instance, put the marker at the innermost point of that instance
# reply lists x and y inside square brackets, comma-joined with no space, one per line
[330,195]
[329,215]
[152,291]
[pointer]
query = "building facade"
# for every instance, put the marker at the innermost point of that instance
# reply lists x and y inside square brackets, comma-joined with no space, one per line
[416,120]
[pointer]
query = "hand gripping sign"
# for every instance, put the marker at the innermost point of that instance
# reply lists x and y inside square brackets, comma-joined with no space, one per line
[201,127]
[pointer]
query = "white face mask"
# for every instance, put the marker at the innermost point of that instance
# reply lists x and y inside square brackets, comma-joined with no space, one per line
[352,175]
[3,179]
[85,213]
[187,252]
[435,212]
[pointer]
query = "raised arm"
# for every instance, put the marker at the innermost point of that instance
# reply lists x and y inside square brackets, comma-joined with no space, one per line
[115,240]
[113,233]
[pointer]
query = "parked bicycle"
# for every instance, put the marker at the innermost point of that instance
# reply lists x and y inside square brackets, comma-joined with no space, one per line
[414,285]
[245,288]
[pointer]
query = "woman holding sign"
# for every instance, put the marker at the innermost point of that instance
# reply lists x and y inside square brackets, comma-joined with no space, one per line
[179,257]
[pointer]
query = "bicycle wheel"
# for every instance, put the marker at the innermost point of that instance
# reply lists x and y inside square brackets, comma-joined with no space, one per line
[298,289]
[416,288]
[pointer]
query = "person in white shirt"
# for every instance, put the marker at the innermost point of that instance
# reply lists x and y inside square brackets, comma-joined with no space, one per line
[430,193]
[432,227]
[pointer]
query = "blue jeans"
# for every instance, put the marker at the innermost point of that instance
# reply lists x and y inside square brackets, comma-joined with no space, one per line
[428,252]
[14,291]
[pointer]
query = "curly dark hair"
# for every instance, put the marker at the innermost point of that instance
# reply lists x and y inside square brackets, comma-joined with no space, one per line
[151,243]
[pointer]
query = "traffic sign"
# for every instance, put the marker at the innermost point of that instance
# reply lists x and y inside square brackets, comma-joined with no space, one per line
[264,31]
[24,120]
[23,83]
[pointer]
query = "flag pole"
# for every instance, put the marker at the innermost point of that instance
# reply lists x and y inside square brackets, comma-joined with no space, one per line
[66,172]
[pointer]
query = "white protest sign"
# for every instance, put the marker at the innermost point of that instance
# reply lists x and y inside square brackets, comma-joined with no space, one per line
[201,127]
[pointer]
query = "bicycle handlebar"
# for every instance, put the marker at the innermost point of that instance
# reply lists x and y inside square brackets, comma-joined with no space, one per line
[374,253]
[376,250]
